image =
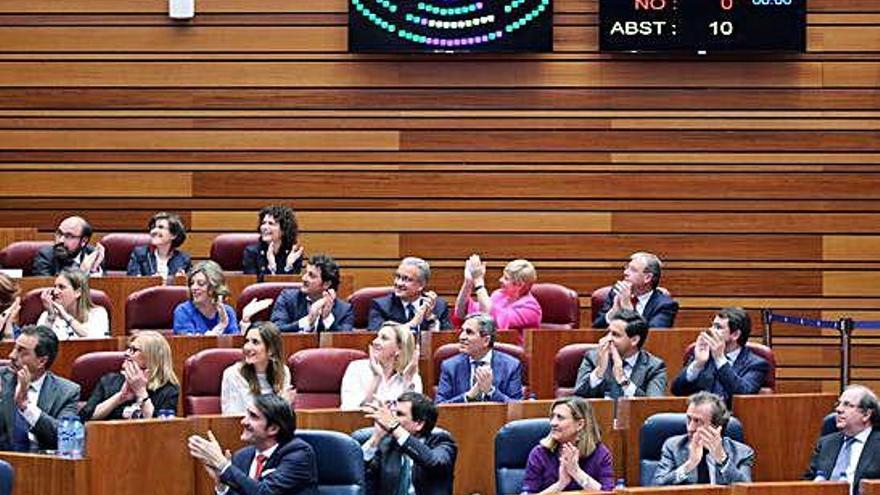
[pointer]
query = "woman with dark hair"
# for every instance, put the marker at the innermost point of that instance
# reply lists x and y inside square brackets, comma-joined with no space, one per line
[69,311]
[572,457]
[161,257]
[145,385]
[277,252]
[262,370]
[10,306]
[205,313]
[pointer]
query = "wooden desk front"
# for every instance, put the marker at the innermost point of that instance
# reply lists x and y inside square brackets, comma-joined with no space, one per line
[39,474]
[791,488]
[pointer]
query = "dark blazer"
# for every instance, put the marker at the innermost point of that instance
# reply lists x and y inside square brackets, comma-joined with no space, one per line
[143,262]
[254,260]
[455,378]
[433,463]
[648,375]
[659,312]
[58,398]
[738,469]
[292,470]
[825,456]
[743,376]
[390,308]
[45,263]
[292,305]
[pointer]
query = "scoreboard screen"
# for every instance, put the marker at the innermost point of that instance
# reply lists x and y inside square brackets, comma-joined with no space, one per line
[702,25]
[450,25]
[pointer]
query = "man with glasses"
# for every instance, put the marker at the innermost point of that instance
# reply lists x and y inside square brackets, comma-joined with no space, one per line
[71,249]
[639,291]
[853,452]
[32,398]
[409,303]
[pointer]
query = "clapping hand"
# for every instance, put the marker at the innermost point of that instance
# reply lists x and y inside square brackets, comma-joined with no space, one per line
[92,261]
[210,453]
[412,367]
[476,268]
[254,307]
[295,254]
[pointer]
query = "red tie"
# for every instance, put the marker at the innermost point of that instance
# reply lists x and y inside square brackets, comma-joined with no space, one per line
[261,459]
[635,302]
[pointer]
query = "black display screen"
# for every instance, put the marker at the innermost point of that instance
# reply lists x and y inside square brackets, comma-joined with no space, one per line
[450,26]
[702,25]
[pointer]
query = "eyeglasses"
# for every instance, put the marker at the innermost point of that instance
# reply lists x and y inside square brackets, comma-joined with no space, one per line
[403,278]
[132,349]
[67,236]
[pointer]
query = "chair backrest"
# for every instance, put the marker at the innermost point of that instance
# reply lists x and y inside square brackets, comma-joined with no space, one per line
[340,462]
[657,428]
[88,369]
[32,305]
[264,290]
[7,477]
[769,385]
[560,306]
[202,378]
[360,302]
[513,442]
[153,308]
[829,424]
[597,299]
[565,368]
[228,249]
[317,375]
[447,351]
[118,247]
[21,255]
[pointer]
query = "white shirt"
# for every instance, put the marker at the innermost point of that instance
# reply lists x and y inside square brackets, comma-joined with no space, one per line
[629,390]
[305,325]
[681,474]
[222,489]
[32,412]
[357,379]
[235,393]
[641,302]
[692,371]
[855,453]
[97,326]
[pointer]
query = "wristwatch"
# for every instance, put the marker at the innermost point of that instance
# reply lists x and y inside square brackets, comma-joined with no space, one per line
[624,383]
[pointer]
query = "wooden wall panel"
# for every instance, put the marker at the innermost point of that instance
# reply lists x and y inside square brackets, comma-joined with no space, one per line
[755,177]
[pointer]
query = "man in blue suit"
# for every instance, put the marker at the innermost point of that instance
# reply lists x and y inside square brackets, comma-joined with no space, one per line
[315,306]
[639,291]
[479,373]
[410,303]
[722,364]
[274,462]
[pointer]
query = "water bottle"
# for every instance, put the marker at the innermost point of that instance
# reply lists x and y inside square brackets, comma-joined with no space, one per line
[621,483]
[64,435]
[532,396]
[165,414]
[77,438]
[821,476]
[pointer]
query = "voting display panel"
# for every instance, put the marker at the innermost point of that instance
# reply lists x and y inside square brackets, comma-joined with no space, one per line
[702,25]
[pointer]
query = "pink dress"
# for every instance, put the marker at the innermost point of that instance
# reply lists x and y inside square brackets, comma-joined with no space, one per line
[518,314]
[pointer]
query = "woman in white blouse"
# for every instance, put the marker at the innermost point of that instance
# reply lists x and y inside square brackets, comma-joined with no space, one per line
[69,311]
[392,369]
[262,370]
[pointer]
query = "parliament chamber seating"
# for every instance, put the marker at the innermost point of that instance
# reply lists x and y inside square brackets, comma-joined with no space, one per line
[89,368]
[32,305]
[560,306]
[153,308]
[117,250]
[317,375]
[7,478]
[447,351]
[513,442]
[769,385]
[264,290]
[20,255]
[598,296]
[829,424]
[203,377]
[228,249]
[360,301]
[565,368]
[340,462]
[658,428]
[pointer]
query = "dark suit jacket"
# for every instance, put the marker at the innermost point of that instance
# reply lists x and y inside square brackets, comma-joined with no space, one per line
[291,470]
[58,398]
[143,262]
[675,453]
[743,376]
[253,260]
[433,464]
[455,378]
[292,305]
[825,456]
[659,312]
[45,263]
[648,375]
[390,308]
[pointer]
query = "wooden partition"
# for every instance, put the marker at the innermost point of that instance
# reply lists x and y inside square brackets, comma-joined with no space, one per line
[675,490]
[791,488]
[68,351]
[38,474]
[631,414]
[870,487]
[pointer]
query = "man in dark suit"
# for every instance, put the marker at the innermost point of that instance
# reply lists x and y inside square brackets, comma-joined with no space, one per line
[620,367]
[315,306]
[703,455]
[32,397]
[722,364]
[274,462]
[479,373]
[409,303]
[639,291]
[71,249]
[853,452]
[405,453]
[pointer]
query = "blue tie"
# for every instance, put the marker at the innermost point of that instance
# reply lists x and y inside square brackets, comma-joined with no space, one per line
[20,428]
[405,475]
[843,458]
